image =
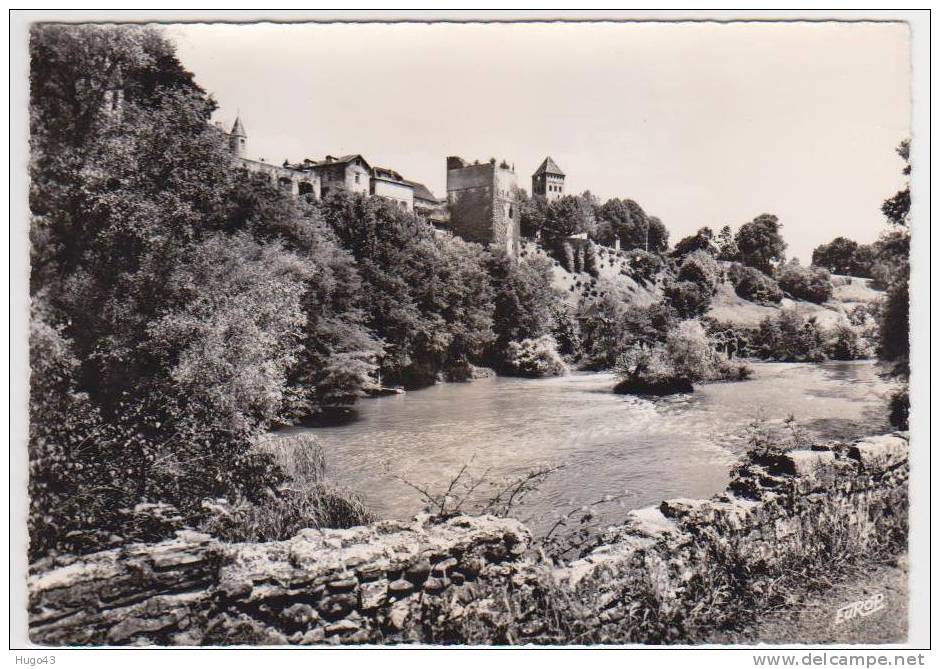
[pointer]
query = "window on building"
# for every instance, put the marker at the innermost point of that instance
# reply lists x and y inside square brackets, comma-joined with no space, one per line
[357,178]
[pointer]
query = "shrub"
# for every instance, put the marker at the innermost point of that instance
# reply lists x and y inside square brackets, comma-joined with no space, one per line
[695,355]
[789,337]
[805,283]
[608,327]
[845,342]
[752,284]
[648,371]
[535,358]
[642,266]
[688,298]
[690,351]
[304,500]
[700,267]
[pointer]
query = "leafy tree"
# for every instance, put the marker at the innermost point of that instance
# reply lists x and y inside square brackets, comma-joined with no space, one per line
[789,337]
[703,240]
[609,327]
[760,244]
[625,220]
[700,267]
[428,297]
[805,283]
[690,299]
[754,285]
[893,260]
[568,215]
[523,300]
[186,293]
[897,209]
[838,256]
[727,247]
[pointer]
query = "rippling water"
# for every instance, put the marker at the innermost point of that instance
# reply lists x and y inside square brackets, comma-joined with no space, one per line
[656,449]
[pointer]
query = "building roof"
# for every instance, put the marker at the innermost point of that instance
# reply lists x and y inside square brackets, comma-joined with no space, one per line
[333,160]
[422,192]
[389,175]
[238,130]
[548,166]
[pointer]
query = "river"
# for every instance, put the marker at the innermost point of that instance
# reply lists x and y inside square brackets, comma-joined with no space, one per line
[643,450]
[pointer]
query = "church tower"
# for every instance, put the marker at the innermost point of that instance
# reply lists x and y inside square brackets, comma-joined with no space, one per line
[238,139]
[548,182]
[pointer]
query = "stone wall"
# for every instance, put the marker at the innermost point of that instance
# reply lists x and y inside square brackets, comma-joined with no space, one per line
[394,581]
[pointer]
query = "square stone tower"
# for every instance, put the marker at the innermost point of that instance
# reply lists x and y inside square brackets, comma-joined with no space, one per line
[482,202]
[548,182]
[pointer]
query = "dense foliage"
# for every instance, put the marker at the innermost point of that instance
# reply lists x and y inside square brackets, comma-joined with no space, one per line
[813,284]
[760,244]
[752,284]
[182,306]
[703,240]
[788,337]
[845,256]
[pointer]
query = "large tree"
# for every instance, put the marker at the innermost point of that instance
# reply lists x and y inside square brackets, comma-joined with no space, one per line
[625,220]
[893,254]
[760,244]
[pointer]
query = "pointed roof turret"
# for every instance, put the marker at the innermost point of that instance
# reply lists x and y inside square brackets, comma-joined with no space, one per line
[548,166]
[238,130]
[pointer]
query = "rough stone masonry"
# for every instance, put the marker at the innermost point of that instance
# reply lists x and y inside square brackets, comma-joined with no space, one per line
[371,584]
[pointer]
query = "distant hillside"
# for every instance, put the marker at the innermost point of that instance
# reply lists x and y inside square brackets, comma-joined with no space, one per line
[848,293]
[613,278]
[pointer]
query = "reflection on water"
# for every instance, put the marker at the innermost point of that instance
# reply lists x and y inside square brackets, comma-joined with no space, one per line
[679,446]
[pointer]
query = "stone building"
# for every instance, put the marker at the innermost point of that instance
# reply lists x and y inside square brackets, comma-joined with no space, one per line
[392,186]
[548,182]
[351,173]
[482,203]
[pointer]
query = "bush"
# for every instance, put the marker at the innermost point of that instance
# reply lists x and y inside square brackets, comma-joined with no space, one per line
[788,337]
[304,500]
[535,358]
[752,284]
[608,327]
[648,371]
[689,355]
[846,342]
[805,283]
[701,267]
[690,352]
[642,266]
[694,354]
[688,298]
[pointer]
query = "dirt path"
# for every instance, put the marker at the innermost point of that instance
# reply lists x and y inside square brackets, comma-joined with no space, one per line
[812,618]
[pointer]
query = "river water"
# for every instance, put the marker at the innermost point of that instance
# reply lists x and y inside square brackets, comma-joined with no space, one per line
[643,450]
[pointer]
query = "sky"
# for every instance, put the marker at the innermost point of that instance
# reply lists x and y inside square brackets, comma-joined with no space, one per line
[703,124]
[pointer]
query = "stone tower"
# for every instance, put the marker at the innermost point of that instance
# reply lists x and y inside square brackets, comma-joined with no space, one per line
[481,198]
[238,139]
[548,182]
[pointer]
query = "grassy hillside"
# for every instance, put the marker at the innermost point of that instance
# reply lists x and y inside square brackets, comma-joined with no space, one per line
[612,278]
[848,293]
